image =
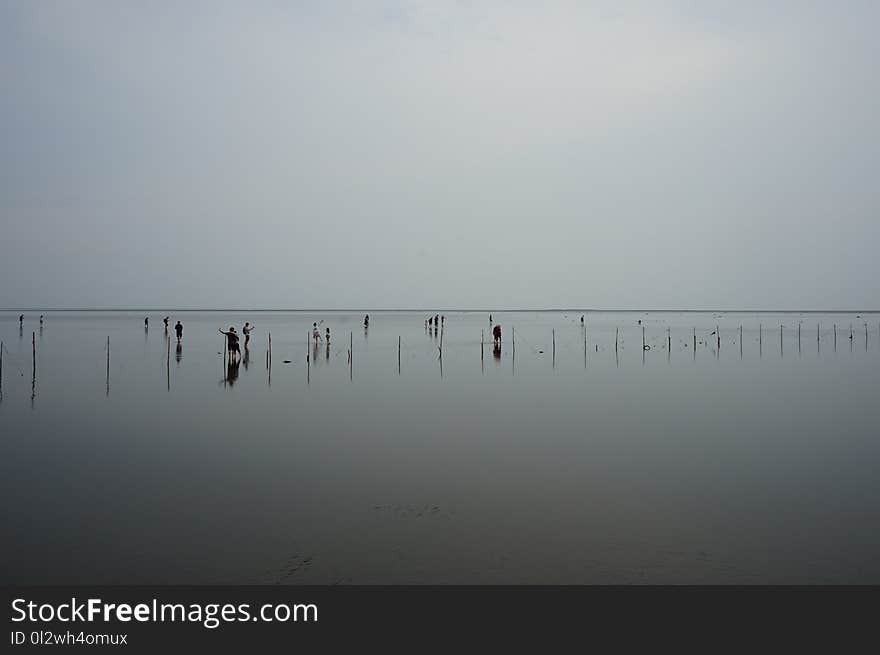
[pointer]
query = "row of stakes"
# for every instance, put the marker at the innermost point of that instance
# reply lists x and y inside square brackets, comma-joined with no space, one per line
[645,347]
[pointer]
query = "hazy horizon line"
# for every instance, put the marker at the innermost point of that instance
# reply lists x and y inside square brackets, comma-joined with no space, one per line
[584,310]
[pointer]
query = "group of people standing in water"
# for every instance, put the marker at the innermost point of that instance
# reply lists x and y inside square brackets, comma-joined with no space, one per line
[178,327]
[232,340]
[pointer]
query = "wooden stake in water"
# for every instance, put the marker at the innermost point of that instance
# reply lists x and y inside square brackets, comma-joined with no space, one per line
[513,341]
[817,339]
[780,341]
[643,338]
[740,341]
[616,332]
[554,347]
[760,339]
[351,359]
[695,342]
[398,355]
[718,338]
[1,365]
[482,343]
[108,365]
[835,337]
[799,338]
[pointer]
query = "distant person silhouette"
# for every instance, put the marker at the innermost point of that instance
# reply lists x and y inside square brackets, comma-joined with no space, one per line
[20,320]
[231,342]
[443,320]
[582,319]
[490,319]
[316,333]
[146,321]
[496,335]
[165,321]
[246,330]
[178,328]
[436,320]
[367,321]
[41,319]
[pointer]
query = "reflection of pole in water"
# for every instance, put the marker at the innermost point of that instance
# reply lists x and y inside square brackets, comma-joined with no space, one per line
[817,339]
[760,340]
[799,338]
[34,369]
[585,345]
[108,365]
[616,330]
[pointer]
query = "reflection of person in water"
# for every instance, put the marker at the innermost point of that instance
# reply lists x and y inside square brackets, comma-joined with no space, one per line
[178,353]
[327,339]
[232,371]
[496,335]
[496,351]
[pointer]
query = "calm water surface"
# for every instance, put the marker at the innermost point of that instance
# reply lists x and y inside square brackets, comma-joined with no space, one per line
[753,463]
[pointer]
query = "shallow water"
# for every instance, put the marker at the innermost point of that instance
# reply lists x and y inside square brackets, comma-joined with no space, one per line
[755,463]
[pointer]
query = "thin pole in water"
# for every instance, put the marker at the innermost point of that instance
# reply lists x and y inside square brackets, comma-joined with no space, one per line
[108,365]
[616,331]
[309,360]
[643,338]
[866,337]
[482,341]
[718,338]
[835,337]
[34,350]
[740,341]
[398,354]
[351,360]
[554,347]
[1,365]
[585,345]
[799,338]
[817,339]
[780,341]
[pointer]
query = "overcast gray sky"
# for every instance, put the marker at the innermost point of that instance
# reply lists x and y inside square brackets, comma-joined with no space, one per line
[612,154]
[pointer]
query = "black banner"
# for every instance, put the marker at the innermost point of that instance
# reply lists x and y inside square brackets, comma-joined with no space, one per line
[180,619]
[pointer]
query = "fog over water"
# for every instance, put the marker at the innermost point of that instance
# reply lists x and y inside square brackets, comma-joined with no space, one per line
[642,154]
[754,462]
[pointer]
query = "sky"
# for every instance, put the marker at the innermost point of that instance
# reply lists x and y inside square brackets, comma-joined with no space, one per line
[425,154]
